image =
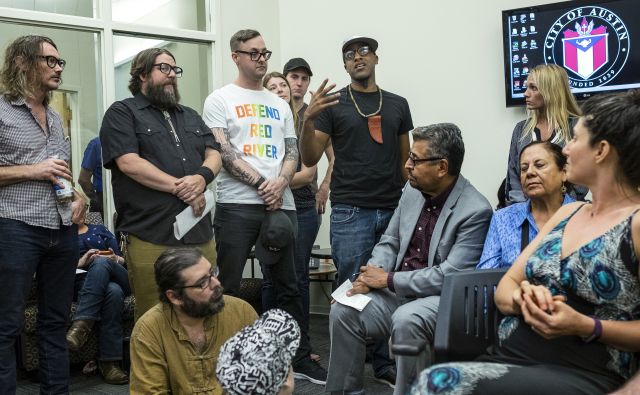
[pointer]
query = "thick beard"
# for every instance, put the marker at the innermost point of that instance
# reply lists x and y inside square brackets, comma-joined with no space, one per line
[162,99]
[195,309]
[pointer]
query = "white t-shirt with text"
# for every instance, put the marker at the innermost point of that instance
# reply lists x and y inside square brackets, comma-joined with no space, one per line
[258,122]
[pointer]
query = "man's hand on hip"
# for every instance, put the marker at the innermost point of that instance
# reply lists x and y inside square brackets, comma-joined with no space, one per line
[272,190]
[189,187]
[321,199]
[198,204]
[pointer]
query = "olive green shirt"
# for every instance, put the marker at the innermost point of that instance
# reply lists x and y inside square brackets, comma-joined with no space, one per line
[164,360]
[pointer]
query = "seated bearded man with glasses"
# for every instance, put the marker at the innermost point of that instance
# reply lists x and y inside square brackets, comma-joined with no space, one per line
[161,156]
[438,229]
[175,345]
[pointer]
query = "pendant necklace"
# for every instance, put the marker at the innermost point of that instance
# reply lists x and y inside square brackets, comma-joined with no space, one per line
[374,120]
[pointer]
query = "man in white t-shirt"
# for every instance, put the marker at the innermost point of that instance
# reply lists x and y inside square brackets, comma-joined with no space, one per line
[254,203]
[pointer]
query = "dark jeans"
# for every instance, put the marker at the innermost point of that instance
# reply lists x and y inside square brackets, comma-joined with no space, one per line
[307,232]
[102,299]
[236,229]
[52,254]
[354,233]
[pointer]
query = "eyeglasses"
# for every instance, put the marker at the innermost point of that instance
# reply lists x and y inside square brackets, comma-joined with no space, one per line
[414,159]
[52,61]
[255,56]
[204,282]
[363,51]
[166,68]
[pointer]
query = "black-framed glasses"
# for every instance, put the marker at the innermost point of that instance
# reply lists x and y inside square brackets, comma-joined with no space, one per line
[166,68]
[415,159]
[255,56]
[362,51]
[52,61]
[204,282]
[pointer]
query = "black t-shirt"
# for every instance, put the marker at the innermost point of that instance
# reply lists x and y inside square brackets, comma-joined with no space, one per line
[366,173]
[133,125]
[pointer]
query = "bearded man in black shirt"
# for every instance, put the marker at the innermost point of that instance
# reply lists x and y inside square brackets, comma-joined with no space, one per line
[369,130]
[162,156]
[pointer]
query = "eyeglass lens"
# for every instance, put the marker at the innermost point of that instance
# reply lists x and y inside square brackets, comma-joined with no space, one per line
[166,69]
[350,55]
[212,273]
[256,55]
[52,62]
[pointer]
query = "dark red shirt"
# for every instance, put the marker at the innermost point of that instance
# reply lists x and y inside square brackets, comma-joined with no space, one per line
[417,255]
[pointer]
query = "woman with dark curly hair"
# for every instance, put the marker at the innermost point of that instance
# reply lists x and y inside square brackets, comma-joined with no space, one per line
[572,298]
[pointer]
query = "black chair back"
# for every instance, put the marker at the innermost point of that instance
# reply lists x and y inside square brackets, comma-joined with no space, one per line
[468,318]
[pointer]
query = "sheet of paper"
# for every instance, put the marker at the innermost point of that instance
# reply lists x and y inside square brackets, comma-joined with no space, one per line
[186,220]
[358,301]
[78,271]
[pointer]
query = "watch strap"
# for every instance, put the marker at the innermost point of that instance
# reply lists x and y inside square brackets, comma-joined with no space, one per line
[597,331]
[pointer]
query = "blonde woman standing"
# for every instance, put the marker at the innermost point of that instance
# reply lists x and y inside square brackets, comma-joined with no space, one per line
[552,113]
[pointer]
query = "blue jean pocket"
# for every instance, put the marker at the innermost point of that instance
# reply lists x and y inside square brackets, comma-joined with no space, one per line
[342,213]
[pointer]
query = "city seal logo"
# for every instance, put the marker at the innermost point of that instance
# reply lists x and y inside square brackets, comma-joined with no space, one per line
[591,43]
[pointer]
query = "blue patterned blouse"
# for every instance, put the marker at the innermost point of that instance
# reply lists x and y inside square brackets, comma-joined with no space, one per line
[502,245]
[98,237]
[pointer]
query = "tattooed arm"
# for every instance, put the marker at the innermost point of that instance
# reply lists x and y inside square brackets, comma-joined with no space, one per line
[274,189]
[232,159]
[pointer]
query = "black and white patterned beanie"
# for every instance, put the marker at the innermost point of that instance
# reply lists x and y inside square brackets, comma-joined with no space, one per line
[256,360]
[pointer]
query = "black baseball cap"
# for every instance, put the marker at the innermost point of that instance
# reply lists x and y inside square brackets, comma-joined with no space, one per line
[276,234]
[296,63]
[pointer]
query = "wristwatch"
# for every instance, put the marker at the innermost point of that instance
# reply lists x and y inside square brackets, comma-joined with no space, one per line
[597,331]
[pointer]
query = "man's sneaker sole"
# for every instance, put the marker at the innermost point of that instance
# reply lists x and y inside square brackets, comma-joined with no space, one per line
[302,376]
[383,381]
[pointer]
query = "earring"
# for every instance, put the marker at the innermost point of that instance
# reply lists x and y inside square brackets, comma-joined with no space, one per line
[563,189]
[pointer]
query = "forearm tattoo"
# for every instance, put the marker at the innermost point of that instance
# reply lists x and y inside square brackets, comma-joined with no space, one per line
[291,154]
[232,159]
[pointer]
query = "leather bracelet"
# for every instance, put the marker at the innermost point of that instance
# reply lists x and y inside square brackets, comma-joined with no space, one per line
[207,174]
[597,331]
[259,182]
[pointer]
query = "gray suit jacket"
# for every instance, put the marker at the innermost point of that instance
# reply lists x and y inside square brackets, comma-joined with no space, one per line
[456,243]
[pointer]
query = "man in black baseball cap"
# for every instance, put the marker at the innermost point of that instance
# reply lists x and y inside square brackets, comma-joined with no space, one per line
[369,128]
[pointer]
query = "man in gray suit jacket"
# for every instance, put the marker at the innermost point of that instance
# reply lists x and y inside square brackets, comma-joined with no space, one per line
[439,228]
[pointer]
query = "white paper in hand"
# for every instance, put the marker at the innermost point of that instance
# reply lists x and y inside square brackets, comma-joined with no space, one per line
[357,301]
[186,220]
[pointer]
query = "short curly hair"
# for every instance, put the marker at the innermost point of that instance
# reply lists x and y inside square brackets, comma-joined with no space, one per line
[168,270]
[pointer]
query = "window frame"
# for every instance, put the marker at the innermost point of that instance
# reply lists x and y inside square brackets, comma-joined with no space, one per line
[106,28]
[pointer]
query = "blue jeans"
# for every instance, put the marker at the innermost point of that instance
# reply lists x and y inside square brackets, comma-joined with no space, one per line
[102,299]
[236,229]
[52,254]
[307,232]
[354,233]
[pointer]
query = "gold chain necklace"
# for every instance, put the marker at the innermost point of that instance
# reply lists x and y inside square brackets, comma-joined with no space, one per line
[358,108]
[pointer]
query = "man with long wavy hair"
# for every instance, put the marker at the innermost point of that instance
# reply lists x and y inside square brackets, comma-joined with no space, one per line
[38,235]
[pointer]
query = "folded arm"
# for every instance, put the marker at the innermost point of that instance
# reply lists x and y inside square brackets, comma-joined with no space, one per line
[145,173]
[232,159]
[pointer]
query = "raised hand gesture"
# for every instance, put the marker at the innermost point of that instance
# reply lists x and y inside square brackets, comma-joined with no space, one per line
[320,100]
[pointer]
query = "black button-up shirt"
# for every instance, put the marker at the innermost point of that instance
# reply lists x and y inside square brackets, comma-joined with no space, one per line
[134,125]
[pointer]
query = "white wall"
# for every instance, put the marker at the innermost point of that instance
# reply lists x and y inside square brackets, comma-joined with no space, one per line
[444,57]
[260,15]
